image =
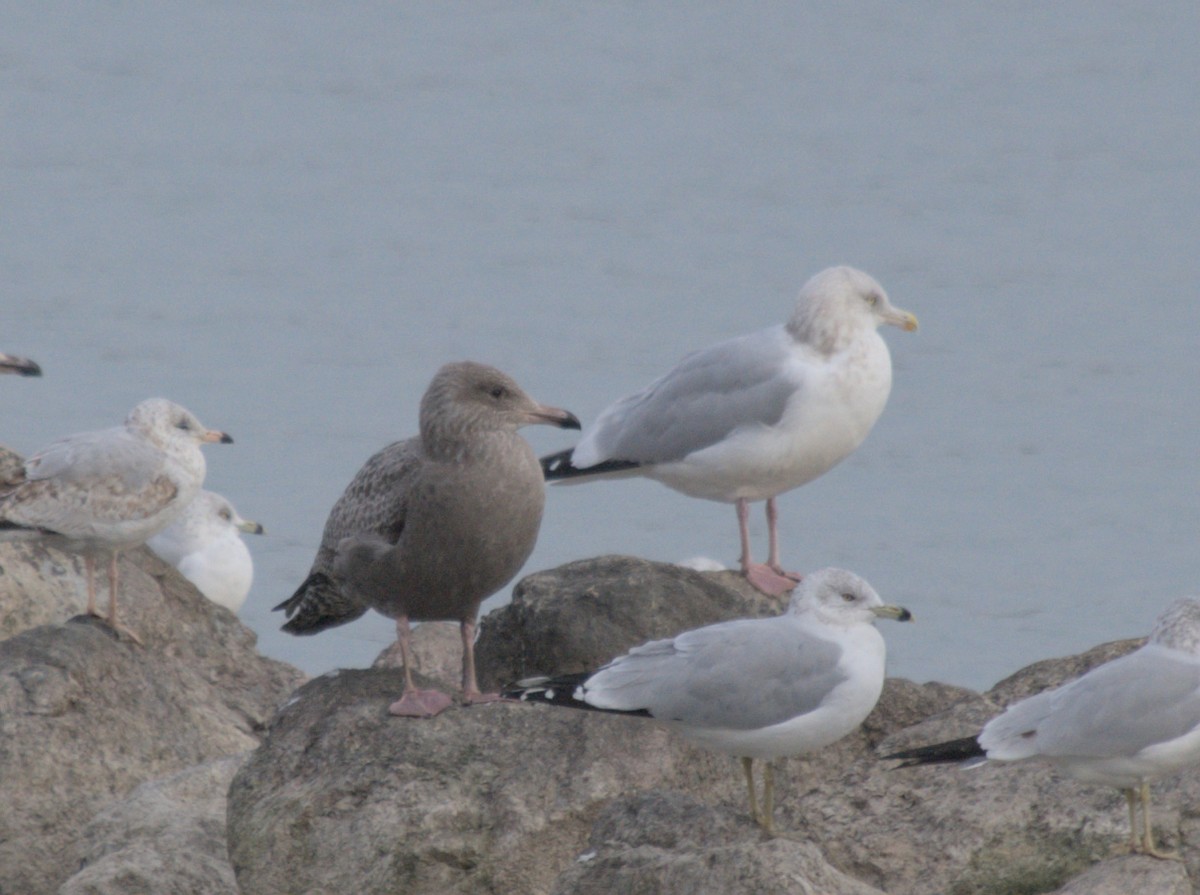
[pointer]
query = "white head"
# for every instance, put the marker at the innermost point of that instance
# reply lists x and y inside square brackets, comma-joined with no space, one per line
[162,422]
[838,597]
[838,304]
[211,514]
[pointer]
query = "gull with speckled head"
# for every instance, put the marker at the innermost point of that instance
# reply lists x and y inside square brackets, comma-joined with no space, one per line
[755,416]
[98,493]
[1125,723]
[753,688]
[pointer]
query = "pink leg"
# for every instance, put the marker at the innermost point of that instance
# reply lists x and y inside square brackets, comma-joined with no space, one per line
[112,603]
[89,568]
[112,590]
[414,703]
[761,576]
[469,684]
[773,540]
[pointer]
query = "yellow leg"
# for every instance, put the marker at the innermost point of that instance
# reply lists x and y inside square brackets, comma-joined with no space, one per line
[1148,833]
[748,770]
[1131,801]
[768,818]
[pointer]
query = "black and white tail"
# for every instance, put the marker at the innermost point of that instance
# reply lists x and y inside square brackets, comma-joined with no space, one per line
[559,691]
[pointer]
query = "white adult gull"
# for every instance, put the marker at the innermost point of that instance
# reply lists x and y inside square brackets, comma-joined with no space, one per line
[98,493]
[205,545]
[753,688]
[1125,723]
[752,417]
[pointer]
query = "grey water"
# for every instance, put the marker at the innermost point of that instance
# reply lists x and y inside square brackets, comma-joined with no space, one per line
[286,216]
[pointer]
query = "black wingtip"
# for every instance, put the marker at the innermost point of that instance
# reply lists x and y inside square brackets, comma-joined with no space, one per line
[560,691]
[556,467]
[292,603]
[940,753]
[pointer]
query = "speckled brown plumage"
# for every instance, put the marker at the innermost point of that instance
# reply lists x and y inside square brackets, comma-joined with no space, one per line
[433,525]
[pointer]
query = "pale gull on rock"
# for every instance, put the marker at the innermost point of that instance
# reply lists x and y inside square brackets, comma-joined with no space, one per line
[98,493]
[755,416]
[753,688]
[433,525]
[205,545]
[1125,723]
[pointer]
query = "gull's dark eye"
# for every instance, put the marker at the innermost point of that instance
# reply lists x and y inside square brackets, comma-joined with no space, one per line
[848,597]
[183,424]
[498,392]
[226,515]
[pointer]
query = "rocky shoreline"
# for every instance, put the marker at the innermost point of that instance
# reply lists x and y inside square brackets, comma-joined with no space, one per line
[194,765]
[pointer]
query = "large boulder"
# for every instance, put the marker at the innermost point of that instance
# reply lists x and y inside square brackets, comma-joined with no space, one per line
[660,842]
[489,798]
[86,715]
[533,799]
[166,838]
[580,615]
[495,797]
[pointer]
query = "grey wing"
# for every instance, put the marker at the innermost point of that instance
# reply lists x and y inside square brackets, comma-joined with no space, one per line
[374,504]
[100,476]
[109,454]
[737,675]
[1114,710]
[745,381]
[1120,708]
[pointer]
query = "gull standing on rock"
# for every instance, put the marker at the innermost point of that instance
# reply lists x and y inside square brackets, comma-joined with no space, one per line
[433,525]
[98,493]
[753,688]
[1124,723]
[755,416]
[204,544]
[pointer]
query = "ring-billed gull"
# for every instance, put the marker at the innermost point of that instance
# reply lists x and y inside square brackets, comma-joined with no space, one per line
[98,493]
[10,363]
[433,525]
[755,416]
[1125,723]
[205,545]
[753,688]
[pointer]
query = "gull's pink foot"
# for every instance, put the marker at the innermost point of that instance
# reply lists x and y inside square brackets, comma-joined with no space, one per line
[124,631]
[780,570]
[420,704]
[768,580]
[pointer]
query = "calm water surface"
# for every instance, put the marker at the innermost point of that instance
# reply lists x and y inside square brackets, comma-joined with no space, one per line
[287,216]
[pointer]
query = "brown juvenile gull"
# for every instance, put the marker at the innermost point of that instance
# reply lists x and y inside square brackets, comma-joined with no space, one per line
[1124,723]
[10,363]
[755,416]
[98,493]
[433,525]
[754,688]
